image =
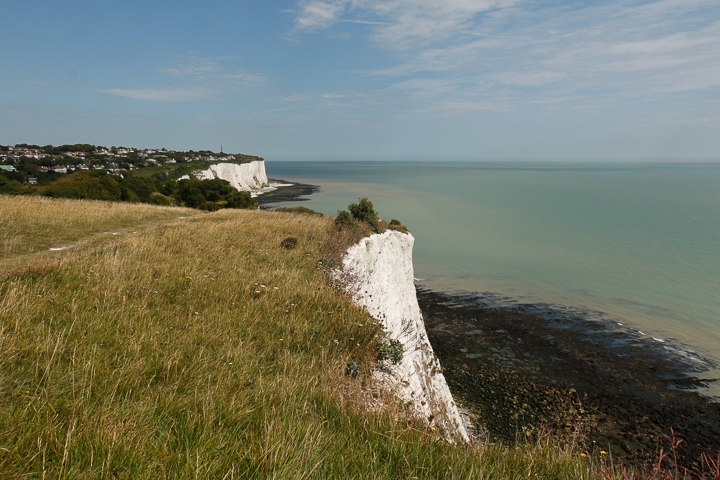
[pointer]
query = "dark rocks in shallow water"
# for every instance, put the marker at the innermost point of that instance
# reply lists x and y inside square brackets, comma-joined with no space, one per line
[294,192]
[522,371]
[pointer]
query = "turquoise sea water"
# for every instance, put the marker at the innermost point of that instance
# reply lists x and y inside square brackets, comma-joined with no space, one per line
[637,242]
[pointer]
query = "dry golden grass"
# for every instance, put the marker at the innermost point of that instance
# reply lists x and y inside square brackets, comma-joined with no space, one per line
[36,224]
[203,349]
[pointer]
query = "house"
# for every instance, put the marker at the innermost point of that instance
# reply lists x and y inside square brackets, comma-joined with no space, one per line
[59,169]
[31,180]
[7,168]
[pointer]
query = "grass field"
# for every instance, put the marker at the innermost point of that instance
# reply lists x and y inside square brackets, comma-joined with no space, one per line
[198,347]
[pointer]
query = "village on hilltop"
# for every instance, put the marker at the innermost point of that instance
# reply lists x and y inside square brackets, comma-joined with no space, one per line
[36,163]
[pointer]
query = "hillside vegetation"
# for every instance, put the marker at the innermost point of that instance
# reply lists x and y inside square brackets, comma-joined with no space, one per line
[208,195]
[207,346]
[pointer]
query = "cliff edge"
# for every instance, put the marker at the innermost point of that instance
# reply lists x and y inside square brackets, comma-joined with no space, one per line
[381,276]
[249,177]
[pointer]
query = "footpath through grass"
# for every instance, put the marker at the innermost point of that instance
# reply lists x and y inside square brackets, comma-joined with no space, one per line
[201,348]
[32,225]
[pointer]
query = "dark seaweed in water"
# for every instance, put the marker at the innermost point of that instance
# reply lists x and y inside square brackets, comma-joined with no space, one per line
[521,369]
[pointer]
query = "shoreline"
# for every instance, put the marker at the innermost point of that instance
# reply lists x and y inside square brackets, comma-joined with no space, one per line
[522,370]
[285,191]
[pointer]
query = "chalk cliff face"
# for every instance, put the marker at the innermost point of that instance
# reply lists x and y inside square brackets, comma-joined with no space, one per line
[381,276]
[246,177]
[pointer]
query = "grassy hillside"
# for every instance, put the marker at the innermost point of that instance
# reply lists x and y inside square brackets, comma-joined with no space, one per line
[198,347]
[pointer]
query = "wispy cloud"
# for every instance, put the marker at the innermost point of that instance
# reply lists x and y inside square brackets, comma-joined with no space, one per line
[535,51]
[203,79]
[169,94]
[399,24]
[204,69]
[193,66]
[317,14]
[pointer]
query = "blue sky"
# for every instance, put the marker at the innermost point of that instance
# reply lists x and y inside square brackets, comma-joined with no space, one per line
[367,79]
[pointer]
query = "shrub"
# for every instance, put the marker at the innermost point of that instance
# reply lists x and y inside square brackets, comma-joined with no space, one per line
[364,212]
[344,218]
[213,196]
[289,243]
[210,206]
[196,199]
[396,225]
[92,186]
[393,351]
[158,198]
[10,187]
[298,210]
[240,200]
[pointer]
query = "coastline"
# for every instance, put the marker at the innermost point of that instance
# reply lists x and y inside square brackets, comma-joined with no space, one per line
[285,191]
[518,373]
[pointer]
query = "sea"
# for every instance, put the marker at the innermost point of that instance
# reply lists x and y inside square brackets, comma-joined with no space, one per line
[632,245]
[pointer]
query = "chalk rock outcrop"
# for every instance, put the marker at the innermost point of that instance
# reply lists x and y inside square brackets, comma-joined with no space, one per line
[246,176]
[380,277]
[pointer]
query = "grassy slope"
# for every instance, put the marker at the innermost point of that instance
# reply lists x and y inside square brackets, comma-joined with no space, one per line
[173,170]
[160,354]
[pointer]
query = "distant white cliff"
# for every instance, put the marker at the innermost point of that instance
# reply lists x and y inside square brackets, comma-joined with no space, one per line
[381,271]
[248,177]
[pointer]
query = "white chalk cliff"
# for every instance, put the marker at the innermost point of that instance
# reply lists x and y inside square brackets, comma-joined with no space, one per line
[381,276]
[249,177]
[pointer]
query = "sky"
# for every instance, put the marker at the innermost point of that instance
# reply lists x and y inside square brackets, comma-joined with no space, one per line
[367,79]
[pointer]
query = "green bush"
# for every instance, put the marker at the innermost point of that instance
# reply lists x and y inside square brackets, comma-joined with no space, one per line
[158,198]
[298,210]
[289,243]
[210,206]
[344,218]
[393,351]
[92,186]
[10,187]
[396,225]
[240,200]
[196,199]
[213,196]
[364,212]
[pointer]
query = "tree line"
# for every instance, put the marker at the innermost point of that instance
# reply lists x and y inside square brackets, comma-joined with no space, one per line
[207,195]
